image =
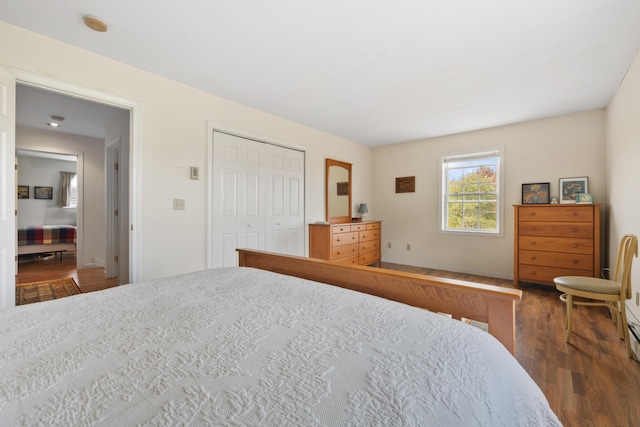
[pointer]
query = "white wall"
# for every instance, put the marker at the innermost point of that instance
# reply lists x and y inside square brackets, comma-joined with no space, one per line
[174,125]
[93,197]
[41,172]
[536,151]
[623,169]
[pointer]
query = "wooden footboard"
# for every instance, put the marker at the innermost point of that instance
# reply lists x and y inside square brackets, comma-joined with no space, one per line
[486,303]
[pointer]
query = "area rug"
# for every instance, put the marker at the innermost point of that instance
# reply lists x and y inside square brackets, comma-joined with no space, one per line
[27,293]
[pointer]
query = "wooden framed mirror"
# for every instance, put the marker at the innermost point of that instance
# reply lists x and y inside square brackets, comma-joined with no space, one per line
[338,191]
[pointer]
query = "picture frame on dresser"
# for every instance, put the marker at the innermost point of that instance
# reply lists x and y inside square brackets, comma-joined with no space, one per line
[569,187]
[535,194]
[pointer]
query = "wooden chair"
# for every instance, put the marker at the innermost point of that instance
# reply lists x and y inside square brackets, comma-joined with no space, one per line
[612,294]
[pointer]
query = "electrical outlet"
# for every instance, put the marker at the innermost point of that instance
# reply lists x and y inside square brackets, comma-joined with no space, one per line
[178,204]
[389,245]
[638,298]
[408,247]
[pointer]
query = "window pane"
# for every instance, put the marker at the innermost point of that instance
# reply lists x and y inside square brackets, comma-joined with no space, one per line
[471,192]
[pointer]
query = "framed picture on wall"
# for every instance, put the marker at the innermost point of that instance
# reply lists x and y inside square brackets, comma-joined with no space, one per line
[569,187]
[406,184]
[43,192]
[23,191]
[537,193]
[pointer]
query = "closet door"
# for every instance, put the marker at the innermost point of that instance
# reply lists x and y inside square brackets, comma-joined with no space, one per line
[258,198]
[238,197]
[285,200]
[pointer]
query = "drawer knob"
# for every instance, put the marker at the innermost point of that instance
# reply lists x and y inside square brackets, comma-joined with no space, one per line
[575,230]
[533,228]
[338,240]
[533,258]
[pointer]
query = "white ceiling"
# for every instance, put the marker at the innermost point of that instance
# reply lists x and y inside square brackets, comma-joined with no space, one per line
[35,106]
[375,72]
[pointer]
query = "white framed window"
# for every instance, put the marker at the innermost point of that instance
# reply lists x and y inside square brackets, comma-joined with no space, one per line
[471,185]
[73,202]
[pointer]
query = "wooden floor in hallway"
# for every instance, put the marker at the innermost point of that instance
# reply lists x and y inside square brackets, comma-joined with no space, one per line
[49,268]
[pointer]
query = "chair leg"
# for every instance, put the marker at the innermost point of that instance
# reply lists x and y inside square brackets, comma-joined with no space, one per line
[625,326]
[568,322]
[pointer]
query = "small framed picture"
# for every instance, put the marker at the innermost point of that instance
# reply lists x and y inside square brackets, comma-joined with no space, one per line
[584,198]
[342,188]
[23,191]
[406,184]
[537,193]
[569,187]
[43,192]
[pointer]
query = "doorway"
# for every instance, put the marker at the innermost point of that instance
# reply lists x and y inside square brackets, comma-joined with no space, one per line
[84,126]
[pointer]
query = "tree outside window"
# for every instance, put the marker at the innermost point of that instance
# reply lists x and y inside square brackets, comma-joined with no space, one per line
[471,192]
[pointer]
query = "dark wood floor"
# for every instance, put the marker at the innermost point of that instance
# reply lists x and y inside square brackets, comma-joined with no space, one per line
[589,382]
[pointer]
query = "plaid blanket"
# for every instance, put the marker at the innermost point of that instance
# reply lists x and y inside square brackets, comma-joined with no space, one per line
[46,235]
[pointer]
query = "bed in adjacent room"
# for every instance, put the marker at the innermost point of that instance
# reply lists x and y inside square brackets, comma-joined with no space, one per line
[246,346]
[46,239]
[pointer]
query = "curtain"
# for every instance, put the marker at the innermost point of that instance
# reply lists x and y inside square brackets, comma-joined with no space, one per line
[65,188]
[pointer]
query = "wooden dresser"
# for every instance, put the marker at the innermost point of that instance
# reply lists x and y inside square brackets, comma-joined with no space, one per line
[556,240]
[349,243]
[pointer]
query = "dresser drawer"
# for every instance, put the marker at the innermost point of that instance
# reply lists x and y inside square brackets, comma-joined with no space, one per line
[340,239]
[359,227]
[556,244]
[365,236]
[350,260]
[367,258]
[557,259]
[369,245]
[341,229]
[557,213]
[545,275]
[374,226]
[344,251]
[582,230]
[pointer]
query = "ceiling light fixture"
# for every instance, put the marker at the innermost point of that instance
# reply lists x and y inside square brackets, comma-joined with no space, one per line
[55,121]
[95,24]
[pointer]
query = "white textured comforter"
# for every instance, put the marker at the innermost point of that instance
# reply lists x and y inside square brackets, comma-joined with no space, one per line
[239,346]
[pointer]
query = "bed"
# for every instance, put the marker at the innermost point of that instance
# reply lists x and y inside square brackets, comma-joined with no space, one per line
[248,346]
[46,239]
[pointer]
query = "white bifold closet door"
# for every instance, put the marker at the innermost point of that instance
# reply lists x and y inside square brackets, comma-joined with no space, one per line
[258,198]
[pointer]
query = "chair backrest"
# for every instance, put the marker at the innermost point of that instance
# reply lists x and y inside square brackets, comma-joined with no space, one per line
[627,250]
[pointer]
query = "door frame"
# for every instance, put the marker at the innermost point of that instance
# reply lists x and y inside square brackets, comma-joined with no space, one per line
[214,126]
[80,209]
[112,151]
[135,126]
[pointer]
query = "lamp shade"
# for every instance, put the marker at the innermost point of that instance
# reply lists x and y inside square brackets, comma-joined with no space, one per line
[363,208]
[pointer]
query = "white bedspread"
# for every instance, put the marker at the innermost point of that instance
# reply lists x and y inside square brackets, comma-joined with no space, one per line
[239,346]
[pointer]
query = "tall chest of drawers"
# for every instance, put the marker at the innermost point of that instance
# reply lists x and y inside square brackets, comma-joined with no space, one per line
[556,240]
[350,243]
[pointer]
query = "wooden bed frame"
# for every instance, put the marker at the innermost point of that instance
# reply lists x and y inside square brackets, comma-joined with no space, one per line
[493,305]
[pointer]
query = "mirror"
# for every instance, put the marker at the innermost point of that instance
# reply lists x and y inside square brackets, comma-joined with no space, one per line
[338,191]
